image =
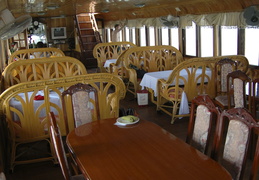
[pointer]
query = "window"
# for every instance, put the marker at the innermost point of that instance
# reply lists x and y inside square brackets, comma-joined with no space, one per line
[143,41]
[228,41]
[190,40]
[108,31]
[151,36]
[174,37]
[127,34]
[165,36]
[206,41]
[133,35]
[251,45]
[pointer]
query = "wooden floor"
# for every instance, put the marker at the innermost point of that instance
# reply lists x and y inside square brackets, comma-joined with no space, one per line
[47,170]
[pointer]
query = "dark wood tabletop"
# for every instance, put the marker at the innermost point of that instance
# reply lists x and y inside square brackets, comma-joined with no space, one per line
[142,151]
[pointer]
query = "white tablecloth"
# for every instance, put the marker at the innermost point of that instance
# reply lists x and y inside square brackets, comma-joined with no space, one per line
[108,62]
[54,98]
[150,81]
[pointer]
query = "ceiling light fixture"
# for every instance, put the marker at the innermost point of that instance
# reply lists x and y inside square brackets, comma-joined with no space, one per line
[140,5]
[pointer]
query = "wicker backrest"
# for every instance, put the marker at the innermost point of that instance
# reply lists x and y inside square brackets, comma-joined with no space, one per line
[35,53]
[26,105]
[205,83]
[153,58]
[191,83]
[20,100]
[110,50]
[150,59]
[39,69]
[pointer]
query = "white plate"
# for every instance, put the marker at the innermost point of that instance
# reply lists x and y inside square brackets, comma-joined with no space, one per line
[119,120]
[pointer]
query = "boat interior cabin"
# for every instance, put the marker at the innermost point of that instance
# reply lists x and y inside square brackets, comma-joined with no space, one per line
[47,45]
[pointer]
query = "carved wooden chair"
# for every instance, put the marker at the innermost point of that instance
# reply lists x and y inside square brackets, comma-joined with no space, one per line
[81,101]
[222,68]
[255,165]
[204,114]
[2,176]
[55,136]
[232,139]
[237,82]
[254,97]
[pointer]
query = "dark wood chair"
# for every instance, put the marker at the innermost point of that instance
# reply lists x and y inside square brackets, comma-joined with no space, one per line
[222,68]
[80,103]
[204,114]
[254,97]
[232,140]
[60,151]
[255,165]
[238,92]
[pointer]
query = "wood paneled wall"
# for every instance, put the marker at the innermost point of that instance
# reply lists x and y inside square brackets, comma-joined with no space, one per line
[67,22]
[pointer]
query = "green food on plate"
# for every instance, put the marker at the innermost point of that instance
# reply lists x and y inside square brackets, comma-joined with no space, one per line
[129,118]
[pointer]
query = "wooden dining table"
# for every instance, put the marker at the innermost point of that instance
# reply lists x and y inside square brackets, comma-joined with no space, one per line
[140,151]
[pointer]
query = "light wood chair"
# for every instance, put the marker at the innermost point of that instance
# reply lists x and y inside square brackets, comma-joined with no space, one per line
[110,50]
[149,59]
[27,116]
[222,68]
[238,92]
[204,114]
[25,54]
[82,100]
[232,140]
[39,69]
[56,139]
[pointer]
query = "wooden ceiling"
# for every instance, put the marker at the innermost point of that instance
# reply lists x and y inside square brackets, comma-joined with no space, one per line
[121,9]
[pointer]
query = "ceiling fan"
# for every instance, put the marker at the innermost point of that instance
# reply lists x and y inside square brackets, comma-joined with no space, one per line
[10,26]
[251,15]
[170,21]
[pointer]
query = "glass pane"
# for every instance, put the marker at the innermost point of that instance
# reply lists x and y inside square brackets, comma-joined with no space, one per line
[206,41]
[133,39]
[143,36]
[21,36]
[127,34]
[251,47]
[174,37]
[108,35]
[120,36]
[165,37]
[191,40]
[228,41]
[152,36]
[16,37]
[22,44]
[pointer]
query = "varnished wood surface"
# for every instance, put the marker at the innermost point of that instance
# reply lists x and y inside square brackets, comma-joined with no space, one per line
[118,10]
[141,151]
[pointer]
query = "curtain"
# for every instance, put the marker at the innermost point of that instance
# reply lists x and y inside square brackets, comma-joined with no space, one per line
[232,19]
